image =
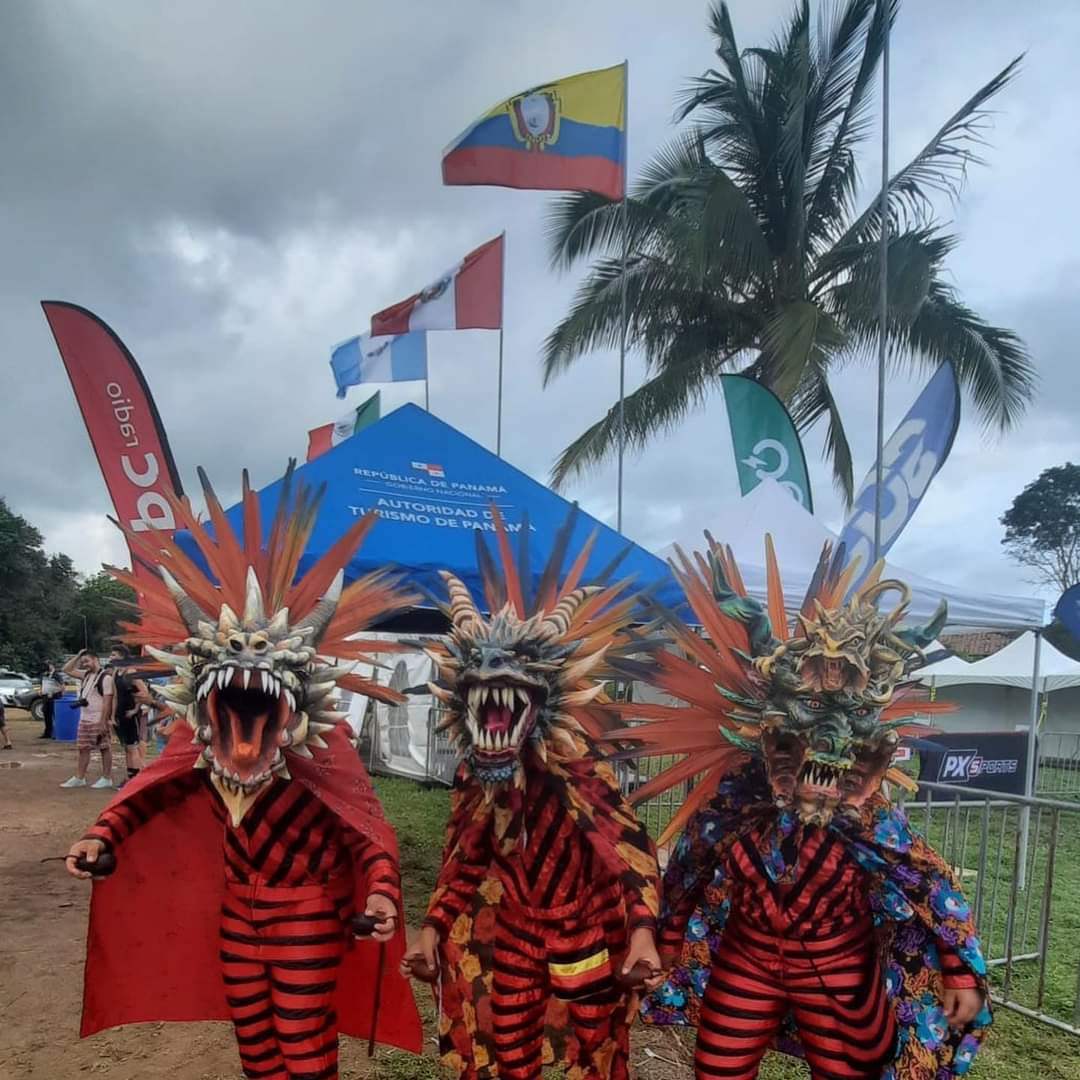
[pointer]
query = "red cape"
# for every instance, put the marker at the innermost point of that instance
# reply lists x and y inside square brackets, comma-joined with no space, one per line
[152,944]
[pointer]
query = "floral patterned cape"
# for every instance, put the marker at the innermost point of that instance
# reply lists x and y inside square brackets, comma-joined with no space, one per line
[591,795]
[916,903]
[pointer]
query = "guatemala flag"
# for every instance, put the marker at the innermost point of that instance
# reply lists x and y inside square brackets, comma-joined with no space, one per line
[386,358]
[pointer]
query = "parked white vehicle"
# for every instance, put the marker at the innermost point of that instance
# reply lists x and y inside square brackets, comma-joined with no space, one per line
[12,683]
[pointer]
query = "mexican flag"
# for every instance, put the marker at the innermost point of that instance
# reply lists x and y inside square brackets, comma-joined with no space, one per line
[325,438]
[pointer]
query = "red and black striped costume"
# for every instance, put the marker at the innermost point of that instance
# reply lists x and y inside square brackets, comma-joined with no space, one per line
[799,941]
[561,920]
[294,875]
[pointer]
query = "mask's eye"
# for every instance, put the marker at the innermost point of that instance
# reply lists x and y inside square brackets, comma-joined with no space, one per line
[236,644]
[864,711]
[260,645]
[816,705]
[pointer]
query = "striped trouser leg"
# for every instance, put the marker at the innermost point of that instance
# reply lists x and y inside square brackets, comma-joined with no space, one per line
[247,990]
[845,1019]
[743,1008]
[580,962]
[519,995]
[296,938]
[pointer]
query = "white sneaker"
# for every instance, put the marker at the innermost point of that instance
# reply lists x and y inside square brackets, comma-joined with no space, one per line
[73,781]
[101,783]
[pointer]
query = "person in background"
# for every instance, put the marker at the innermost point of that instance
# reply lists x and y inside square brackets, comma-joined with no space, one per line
[128,691]
[3,729]
[51,688]
[95,712]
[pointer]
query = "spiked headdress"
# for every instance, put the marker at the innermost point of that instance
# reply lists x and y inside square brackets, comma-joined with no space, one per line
[250,652]
[737,680]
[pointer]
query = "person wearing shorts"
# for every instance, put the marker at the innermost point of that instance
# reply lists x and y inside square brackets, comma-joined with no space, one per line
[128,693]
[96,690]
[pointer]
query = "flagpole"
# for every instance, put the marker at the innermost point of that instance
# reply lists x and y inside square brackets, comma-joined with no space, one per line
[622,307]
[883,322]
[502,320]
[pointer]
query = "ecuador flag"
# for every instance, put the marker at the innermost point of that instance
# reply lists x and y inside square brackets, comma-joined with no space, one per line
[568,135]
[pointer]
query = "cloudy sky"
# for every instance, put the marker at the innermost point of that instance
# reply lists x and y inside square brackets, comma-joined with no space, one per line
[236,186]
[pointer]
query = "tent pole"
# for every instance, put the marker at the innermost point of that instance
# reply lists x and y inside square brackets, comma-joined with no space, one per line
[883,314]
[1032,764]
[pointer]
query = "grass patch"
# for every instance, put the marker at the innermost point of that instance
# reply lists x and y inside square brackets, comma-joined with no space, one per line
[419,816]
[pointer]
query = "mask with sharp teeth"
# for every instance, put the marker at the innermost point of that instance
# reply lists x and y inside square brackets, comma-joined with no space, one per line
[255,687]
[819,703]
[517,685]
[509,684]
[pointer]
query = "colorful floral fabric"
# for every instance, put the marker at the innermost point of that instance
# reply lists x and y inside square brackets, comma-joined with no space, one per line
[915,899]
[592,797]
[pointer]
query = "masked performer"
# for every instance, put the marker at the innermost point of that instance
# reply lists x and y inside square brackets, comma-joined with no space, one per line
[800,909]
[548,892]
[255,842]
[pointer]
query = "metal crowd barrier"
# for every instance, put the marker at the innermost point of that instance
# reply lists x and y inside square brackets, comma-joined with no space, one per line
[1059,764]
[1031,936]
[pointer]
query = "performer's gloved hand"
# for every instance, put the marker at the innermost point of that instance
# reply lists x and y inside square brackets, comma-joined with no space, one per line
[89,850]
[962,1005]
[382,910]
[642,951]
[420,961]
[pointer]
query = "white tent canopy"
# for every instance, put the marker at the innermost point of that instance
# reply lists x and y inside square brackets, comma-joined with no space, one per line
[799,537]
[1011,666]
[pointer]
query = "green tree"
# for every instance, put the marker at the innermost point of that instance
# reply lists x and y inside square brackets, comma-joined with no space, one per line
[36,592]
[1042,527]
[103,602]
[747,252]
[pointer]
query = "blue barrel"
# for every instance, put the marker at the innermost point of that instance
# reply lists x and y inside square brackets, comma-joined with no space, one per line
[66,718]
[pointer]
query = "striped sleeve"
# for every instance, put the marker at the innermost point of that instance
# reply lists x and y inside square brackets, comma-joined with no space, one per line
[459,879]
[639,915]
[374,871]
[955,974]
[119,821]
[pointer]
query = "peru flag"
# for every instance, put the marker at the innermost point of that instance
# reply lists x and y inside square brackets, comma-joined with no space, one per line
[468,297]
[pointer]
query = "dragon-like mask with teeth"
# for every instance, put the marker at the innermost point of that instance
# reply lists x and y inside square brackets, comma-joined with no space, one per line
[257,688]
[508,684]
[254,687]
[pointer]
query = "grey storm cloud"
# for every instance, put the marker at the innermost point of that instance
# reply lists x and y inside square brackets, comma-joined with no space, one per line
[235,187]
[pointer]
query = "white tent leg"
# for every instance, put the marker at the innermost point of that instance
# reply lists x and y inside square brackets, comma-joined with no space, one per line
[1032,765]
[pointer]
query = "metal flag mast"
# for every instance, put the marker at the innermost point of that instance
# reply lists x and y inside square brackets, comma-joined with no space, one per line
[502,322]
[622,305]
[883,318]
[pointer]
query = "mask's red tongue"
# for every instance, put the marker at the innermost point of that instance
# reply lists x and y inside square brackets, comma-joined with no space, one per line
[246,749]
[499,718]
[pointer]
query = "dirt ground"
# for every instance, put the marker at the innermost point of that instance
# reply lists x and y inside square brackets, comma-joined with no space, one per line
[43,915]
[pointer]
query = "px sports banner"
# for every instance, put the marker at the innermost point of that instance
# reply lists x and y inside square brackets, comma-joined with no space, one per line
[990,760]
[764,439]
[121,418]
[910,460]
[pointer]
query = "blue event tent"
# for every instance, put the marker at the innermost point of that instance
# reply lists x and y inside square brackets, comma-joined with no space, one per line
[433,487]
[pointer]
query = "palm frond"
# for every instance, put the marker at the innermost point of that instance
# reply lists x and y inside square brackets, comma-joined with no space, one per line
[813,400]
[851,51]
[793,336]
[657,405]
[941,166]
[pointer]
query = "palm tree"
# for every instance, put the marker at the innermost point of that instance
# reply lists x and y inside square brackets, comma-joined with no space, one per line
[747,253]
